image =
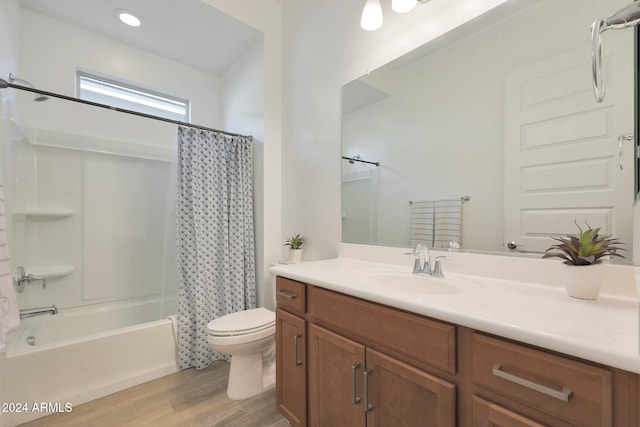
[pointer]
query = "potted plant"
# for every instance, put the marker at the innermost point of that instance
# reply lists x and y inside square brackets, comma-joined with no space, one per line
[295,248]
[582,254]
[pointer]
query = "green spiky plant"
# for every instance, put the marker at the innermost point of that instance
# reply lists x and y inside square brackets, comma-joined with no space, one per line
[294,242]
[585,248]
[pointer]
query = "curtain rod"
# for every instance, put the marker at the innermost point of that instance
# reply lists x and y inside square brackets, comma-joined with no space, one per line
[358,159]
[5,84]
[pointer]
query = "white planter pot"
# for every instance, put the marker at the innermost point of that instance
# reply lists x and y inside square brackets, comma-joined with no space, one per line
[583,281]
[295,256]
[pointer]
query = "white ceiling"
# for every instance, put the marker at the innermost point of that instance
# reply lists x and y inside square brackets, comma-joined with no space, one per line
[187,31]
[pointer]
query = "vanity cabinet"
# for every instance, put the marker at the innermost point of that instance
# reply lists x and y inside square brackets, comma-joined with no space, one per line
[353,385]
[291,351]
[344,361]
[358,370]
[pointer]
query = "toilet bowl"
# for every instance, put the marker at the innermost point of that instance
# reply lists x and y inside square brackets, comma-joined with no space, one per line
[249,338]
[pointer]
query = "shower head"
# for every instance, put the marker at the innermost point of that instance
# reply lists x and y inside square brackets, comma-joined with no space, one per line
[37,97]
[626,17]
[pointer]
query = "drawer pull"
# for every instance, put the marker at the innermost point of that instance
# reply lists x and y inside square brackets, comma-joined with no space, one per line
[354,368]
[367,405]
[564,395]
[285,294]
[295,349]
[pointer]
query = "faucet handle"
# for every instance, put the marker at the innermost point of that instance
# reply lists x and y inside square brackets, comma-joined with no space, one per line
[417,252]
[31,277]
[437,268]
[22,279]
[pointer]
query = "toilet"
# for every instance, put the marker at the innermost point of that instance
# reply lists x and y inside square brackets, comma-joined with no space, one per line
[249,338]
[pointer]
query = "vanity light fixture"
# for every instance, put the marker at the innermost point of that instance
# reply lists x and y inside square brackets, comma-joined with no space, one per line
[403,6]
[128,17]
[371,18]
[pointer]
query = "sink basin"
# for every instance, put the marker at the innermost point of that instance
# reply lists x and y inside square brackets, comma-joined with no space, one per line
[399,281]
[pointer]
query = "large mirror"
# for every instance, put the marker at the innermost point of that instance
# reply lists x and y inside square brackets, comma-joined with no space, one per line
[490,137]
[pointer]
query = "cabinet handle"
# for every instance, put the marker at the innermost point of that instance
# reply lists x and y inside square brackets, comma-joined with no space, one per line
[354,368]
[564,395]
[295,349]
[285,294]
[367,405]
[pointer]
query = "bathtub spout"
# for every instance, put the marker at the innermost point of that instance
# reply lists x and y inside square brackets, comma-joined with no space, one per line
[30,312]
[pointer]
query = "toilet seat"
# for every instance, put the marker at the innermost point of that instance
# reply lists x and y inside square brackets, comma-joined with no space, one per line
[242,323]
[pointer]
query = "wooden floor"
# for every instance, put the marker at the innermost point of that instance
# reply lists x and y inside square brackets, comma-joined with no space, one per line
[185,398]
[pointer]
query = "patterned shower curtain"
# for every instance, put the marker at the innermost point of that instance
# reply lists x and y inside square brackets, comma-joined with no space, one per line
[216,260]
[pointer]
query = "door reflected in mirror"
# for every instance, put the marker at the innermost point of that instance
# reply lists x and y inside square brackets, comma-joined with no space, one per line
[501,110]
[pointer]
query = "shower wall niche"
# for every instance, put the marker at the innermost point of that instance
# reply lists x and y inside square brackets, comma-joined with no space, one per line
[94,216]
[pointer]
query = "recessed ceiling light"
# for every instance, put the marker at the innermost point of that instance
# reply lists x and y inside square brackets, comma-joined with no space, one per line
[128,17]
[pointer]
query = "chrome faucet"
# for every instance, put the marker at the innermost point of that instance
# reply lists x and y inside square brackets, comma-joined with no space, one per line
[426,267]
[30,312]
[22,279]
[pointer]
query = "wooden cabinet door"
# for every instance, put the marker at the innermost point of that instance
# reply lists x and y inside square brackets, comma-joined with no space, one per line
[291,368]
[401,395]
[487,414]
[336,365]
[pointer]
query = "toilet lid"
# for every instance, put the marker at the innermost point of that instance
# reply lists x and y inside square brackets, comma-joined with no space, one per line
[242,322]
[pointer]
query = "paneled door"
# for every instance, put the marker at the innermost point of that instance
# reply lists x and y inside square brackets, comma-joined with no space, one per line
[400,395]
[291,367]
[562,159]
[336,366]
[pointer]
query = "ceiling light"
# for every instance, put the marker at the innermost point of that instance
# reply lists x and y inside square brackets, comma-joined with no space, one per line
[128,17]
[403,6]
[371,18]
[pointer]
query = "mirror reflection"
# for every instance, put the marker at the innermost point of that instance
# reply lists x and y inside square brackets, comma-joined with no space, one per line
[490,137]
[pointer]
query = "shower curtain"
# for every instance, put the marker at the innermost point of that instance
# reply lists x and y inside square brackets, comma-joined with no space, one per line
[215,237]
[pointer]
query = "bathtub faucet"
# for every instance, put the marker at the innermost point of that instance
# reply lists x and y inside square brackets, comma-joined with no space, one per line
[22,279]
[30,312]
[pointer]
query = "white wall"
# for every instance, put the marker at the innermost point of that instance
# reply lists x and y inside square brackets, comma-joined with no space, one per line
[50,56]
[10,32]
[266,16]
[243,106]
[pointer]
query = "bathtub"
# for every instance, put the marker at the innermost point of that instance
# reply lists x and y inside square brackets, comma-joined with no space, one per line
[81,354]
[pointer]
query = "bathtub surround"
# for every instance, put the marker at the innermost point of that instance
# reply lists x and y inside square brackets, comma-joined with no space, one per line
[216,261]
[9,317]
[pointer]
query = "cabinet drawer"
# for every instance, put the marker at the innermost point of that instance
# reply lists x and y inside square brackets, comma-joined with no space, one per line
[396,332]
[291,295]
[576,392]
[487,414]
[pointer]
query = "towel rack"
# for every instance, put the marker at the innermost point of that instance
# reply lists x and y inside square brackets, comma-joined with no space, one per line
[462,199]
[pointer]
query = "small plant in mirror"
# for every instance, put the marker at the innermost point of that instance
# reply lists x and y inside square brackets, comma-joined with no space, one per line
[585,248]
[295,242]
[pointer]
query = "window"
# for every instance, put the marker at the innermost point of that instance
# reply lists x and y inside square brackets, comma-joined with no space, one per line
[127,96]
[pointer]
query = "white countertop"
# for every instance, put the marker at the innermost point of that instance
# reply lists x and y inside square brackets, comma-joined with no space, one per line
[603,331]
